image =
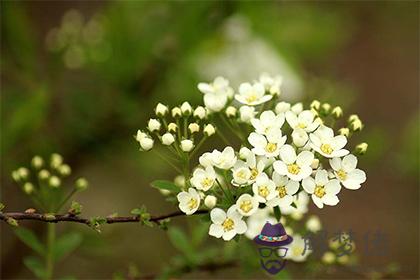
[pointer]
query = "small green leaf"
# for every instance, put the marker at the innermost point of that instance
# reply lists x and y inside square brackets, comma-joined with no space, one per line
[199,233]
[35,265]
[180,241]
[294,205]
[1,207]
[166,185]
[66,244]
[30,239]
[139,211]
[75,208]
[277,213]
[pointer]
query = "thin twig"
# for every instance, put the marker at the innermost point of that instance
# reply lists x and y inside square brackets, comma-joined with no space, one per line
[55,218]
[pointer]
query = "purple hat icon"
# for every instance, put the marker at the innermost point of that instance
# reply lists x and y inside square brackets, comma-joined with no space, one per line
[273,235]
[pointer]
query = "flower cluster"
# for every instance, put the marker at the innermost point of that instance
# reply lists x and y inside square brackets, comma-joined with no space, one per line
[287,153]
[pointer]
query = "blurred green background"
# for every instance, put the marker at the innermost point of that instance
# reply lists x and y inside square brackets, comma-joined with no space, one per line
[80,78]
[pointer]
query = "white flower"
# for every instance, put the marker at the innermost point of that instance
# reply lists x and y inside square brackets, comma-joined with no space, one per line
[271,84]
[226,225]
[206,159]
[187,145]
[300,137]
[200,112]
[245,173]
[295,167]
[267,121]
[252,95]
[225,159]
[247,205]
[193,127]
[210,201]
[304,120]
[246,113]
[167,139]
[231,111]
[146,143]
[203,179]
[298,251]
[216,94]
[323,190]
[153,125]
[313,224]
[285,189]
[282,107]
[186,108]
[301,201]
[268,145]
[297,108]
[264,189]
[189,201]
[209,130]
[324,142]
[244,153]
[140,135]
[256,222]
[345,170]
[161,110]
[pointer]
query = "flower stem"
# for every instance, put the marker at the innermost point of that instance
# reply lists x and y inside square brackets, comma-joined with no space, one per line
[49,261]
[65,200]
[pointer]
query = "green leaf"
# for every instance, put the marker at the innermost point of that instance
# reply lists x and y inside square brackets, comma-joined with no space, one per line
[66,244]
[35,265]
[294,205]
[180,241]
[277,213]
[200,232]
[30,239]
[166,185]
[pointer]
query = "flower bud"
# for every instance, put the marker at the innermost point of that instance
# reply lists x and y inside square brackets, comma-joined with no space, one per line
[187,145]
[297,108]
[361,148]
[344,259]
[315,163]
[246,113]
[344,131]
[210,201]
[15,176]
[314,112]
[176,112]
[161,110]
[352,118]
[146,143]
[23,173]
[328,258]
[167,139]
[153,125]
[180,181]
[337,112]
[289,230]
[28,188]
[64,170]
[54,182]
[326,108]
[231,112]
[81,184]
[315,105]
[37,162]
[356,125]
[56,160]
[313,224]
[244,152]
[209,130]
[172,127]
[193,127]
[164,192]
[44,174]
[300,137]
[186,108]
[140,135]
[282,107]
[200,112]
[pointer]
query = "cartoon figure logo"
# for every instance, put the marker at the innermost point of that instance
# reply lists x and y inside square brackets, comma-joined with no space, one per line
[272,240]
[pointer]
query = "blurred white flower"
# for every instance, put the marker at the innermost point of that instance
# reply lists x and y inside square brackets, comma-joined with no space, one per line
[345,171]
[200,112]
[216,94]
[282,107]
[271,84]
[313,224]
[246,113]
[264,189]
[268,145]
[300,137]
[226,225]
[189,201]
[324,142]
[186,108]
[298,251]
[225,159]
[231,112]
[301,201]
[187,145]
[193,127]
[252,95]
[285,189]
[322,190]
[146,143]
[267,121]
[256,222]
[295,167]
[203,179]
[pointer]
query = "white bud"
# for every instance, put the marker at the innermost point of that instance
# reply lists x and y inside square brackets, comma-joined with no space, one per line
[337,112]
[180,181]
[343,259]
[153,125]
[313,224]
[140,135]
[300,137]
[193,127]
[15,176]
[187,145]
[325,108]
[167,139]
[328,258]
[161,110]
[56,160]
[54,182]
[146,143]
[231,112]
[282,107]
[23,173]
[344,131]
[315,163]
[37,162]
[28,188]
[297,108]
[81,184]
[186,108]
[246,113]
[315,105]
[176,112]
[244,153]
[210,201]
[200,112]
[164,192]
[64,170]
[356,125]
[44,174]
[361,148]
[172,127]
[209,130]
[352,118]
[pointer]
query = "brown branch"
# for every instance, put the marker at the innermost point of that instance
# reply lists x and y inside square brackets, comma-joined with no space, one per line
[56,218]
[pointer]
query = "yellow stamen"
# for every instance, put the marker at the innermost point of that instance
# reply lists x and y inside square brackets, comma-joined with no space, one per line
[326,148]
[301,125]
[192,203]
[246,206]
[319,191]
[263,191]
[228,224]
[271,147]
[282,191]
[251,98]
[207,182]
[293,168]
[342,175]
[254,173]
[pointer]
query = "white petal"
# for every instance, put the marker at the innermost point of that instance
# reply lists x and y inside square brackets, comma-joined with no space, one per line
[280,167]
[308,184]
[306,117]
[338,153]
[349,163]
[292,187]
[287,154]
[330,199]
[240,227]
[305,172]
[291,119]
[257,140]
[217,215]
[216,230]
[333,187]
[321,177]
[315,140]
[285,201]
[229,235]
[335,163]
[339,142]
[318,202]
[183,197]
[324,132]
[304,158]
